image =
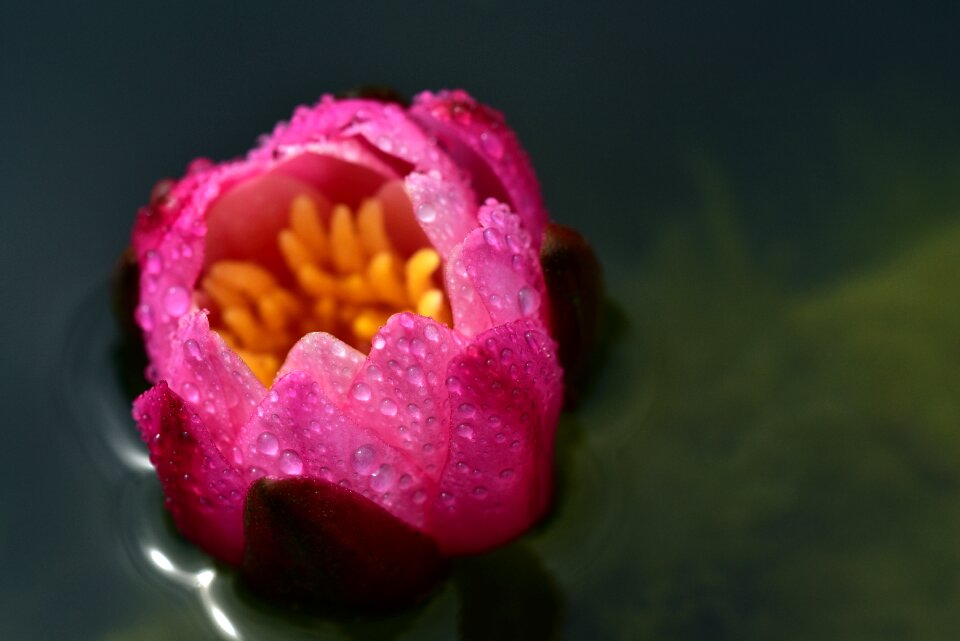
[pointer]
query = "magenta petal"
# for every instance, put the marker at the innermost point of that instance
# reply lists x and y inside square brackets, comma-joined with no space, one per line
[298,431]
[212,379]
[495,277]
[204,493]
[480,141]
[505,398]
[401,392]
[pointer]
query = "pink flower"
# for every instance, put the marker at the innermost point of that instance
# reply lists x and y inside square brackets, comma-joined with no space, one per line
[358,304]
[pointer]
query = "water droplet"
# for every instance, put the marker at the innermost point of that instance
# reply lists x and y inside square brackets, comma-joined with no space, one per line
[413,411]
[532,341]
[419,497]
[500,437]
[405,481]
[465,430]
[480,491]
[493,419]
[363,459]
[415,375]
[506,354]
[426,213]
[431,333]
[382,479]
[362,392]
[191,393]
[493,237]
[446,497]
[152,263]
[290,463]
[467,409]
[388,407]
[268,444]
[453,384]
[528,300]
[192,349]
[176,301]
[492,145]
[505,474]
[144,316]
[515,445]
[274,397]
[378,342]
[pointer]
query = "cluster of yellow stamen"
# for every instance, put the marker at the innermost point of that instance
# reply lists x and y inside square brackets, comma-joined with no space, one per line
[345,278]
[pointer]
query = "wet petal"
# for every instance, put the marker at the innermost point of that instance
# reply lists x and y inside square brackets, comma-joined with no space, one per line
[204,492]
[494,277]
[298,431]
[401,390]
[212,379]
[479,139]
[497,481]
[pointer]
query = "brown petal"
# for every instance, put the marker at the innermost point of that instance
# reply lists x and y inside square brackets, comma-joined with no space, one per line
[314,542]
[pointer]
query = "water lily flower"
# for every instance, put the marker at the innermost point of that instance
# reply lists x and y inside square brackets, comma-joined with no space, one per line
[351,324]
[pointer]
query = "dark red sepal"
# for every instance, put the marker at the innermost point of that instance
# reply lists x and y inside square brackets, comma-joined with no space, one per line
[574,283]
[319,544]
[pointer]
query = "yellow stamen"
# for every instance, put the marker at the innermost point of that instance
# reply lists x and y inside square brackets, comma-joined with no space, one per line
[347,253]
[420,270]
[383,274]
[345,278]
[373,234]
[305,223]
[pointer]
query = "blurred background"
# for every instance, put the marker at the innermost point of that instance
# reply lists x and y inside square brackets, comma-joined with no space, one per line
[770,444]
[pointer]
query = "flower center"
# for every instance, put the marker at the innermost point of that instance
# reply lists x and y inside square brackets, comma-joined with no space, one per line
[345,278]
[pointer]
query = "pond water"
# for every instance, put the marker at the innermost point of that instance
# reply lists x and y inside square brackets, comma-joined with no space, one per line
[769,443]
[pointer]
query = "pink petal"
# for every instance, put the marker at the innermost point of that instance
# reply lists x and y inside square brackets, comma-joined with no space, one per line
[204,493]
[400,392]
[495,277]
[211,378]
[505,398]
[483,145]
[299,431]
[327,360]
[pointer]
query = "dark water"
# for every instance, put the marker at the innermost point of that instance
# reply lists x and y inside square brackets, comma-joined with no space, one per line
[770,447]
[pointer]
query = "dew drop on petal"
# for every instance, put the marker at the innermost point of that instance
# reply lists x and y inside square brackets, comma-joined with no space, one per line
[378,342]
[430,333]
[480,491]
[361,392]
[528,300]
[404,481]
[268,444]
[144,317]
[290,463]
[426,213]
[467,409]
[191,393]
[505,474]
[192,349]
[492,145]
[152,264]
[465,430]
[388,407]
[363,458]
[382,479]
[419,497]
[176,301]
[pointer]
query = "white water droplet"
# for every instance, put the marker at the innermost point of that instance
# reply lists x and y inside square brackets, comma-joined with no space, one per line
[363,458]
[382,479]
[362,392]
[268,444]
[388,407]
[426,213]
[192,349]
[191,393]
[528,300]
[291,463]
